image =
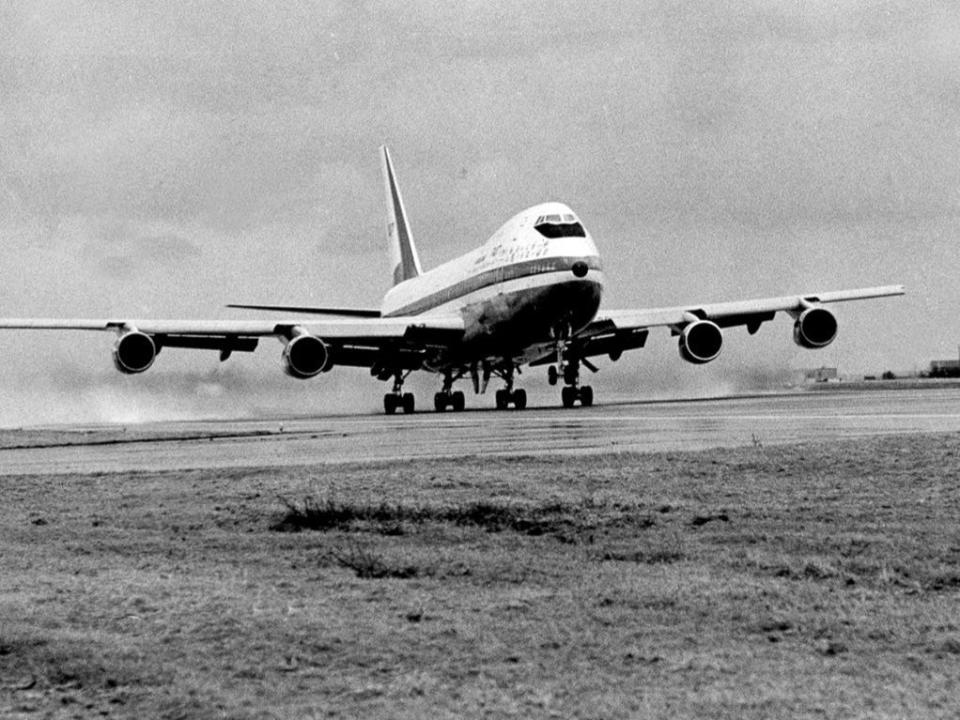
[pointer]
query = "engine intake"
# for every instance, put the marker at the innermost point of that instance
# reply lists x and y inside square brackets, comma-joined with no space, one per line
[700,342]
[816,327]
[305,356]
[134,352]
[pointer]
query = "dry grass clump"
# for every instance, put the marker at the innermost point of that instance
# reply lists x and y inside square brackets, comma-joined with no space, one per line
[563,520]
[370,565]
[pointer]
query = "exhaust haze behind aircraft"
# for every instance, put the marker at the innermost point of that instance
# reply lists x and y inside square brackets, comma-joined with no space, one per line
[530,295]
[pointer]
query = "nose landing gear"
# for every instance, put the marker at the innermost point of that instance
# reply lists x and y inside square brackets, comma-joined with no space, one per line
[568,368]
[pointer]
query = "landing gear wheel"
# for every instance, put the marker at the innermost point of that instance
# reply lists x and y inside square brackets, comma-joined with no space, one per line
[520,399]
[503,399]
[440,402]
[569,396]
[458,401]
[586,396]
[408,403]
[390,403]
[552,375]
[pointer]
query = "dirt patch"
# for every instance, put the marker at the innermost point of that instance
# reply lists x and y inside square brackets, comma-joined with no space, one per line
[562,520]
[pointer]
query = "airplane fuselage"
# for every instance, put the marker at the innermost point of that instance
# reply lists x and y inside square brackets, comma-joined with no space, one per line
[534,279]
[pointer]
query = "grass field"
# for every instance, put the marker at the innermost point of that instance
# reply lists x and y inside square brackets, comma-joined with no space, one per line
[762,582]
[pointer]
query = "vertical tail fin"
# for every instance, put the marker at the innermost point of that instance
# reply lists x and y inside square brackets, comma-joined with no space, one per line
[403,253]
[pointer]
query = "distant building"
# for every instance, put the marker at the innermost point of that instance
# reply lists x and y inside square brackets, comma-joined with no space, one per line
[822,374]
[944,368]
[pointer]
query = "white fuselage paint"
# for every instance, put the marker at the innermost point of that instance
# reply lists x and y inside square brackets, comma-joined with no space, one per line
[515,292]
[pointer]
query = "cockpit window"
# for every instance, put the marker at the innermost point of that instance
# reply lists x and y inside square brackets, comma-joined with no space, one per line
[551,226]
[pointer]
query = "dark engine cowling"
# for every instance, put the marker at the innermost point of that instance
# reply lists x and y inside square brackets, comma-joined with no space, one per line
[816,327]
[305,356]
[700,342]
[134,352]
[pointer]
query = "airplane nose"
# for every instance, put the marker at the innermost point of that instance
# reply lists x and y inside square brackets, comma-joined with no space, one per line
[580,269]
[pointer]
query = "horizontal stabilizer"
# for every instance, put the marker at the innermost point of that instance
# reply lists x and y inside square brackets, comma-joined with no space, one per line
[343,312]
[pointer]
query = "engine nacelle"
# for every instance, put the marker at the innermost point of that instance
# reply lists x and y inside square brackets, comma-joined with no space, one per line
[134,352]
[700,342]
[305,356]
[816,327]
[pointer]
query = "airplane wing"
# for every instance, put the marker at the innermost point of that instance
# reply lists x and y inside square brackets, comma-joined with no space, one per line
[614,331]
[396,342]
[743,312]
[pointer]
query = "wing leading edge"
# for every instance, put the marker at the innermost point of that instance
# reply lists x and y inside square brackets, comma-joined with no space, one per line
[445,327]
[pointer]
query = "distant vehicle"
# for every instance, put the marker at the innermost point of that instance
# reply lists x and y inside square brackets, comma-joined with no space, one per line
[823,374]
[530,295]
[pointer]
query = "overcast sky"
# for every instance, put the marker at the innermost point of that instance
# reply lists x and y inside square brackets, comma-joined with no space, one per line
[163,159]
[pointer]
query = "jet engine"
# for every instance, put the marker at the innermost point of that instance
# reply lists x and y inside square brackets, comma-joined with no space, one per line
[700,342]
[305,356]
[134,352]
[816,327]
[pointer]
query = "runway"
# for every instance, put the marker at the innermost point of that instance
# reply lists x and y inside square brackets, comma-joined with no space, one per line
[614,427]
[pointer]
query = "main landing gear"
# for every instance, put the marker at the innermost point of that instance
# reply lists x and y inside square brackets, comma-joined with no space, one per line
[447,397]
[508,396]
[570,395]
[398,399]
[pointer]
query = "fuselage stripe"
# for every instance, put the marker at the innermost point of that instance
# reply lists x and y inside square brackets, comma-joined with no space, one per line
[493,276]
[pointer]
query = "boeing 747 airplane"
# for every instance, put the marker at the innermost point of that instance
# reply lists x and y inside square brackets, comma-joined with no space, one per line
[530,295]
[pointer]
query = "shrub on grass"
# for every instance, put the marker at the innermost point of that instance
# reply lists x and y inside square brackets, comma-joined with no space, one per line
[367,564]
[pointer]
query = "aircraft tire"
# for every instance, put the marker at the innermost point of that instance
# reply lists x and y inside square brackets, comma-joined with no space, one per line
[586,396]
[569,396]
[408,403]
[389,403]
[458,401]
[440,402]
[552,375]
[503,399]
[520,399]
